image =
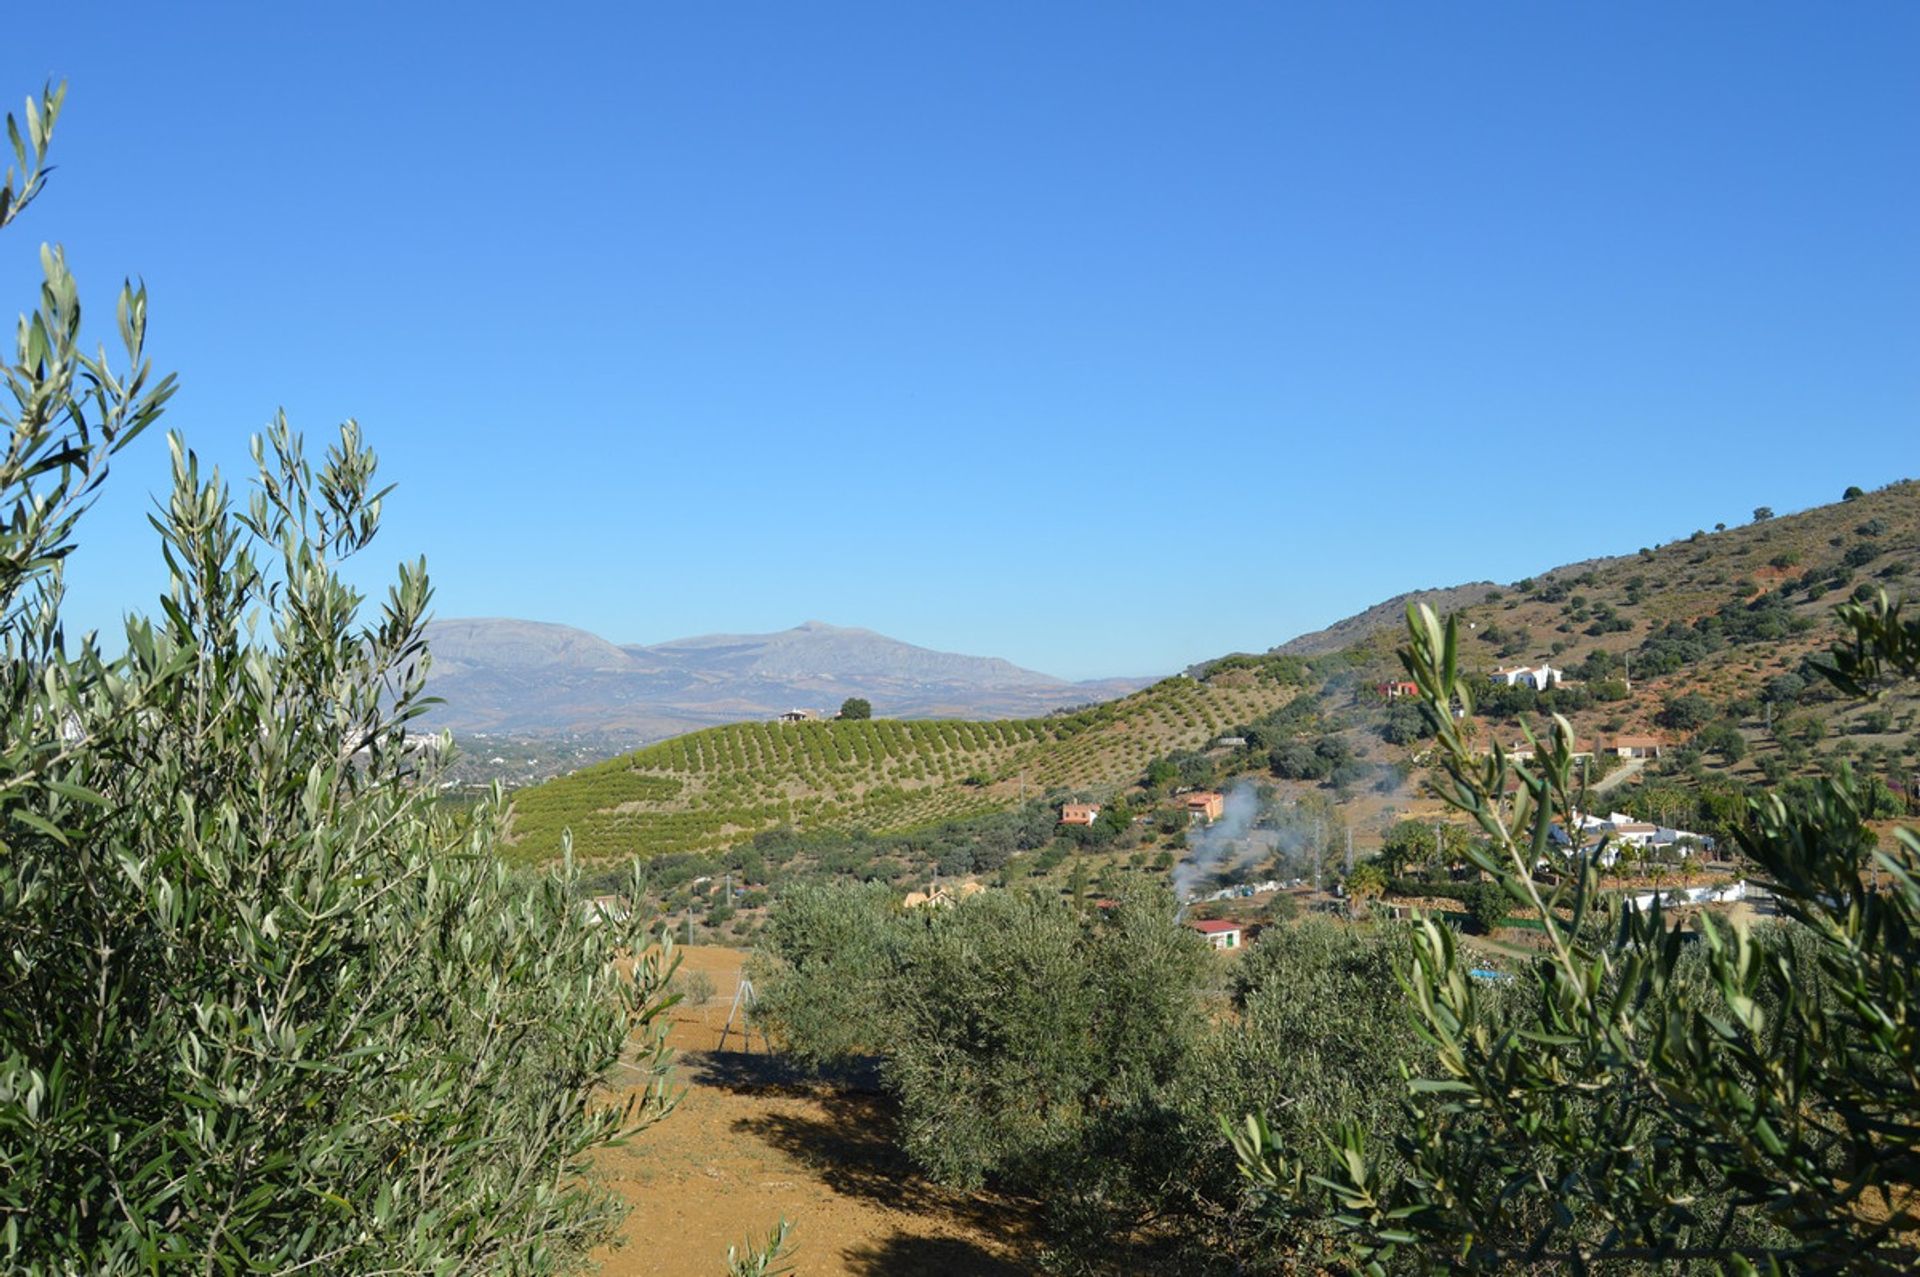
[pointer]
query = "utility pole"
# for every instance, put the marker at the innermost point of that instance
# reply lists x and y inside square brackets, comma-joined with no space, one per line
[1349,850]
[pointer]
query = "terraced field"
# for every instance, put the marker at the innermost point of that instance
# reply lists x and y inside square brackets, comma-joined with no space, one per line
[716,787]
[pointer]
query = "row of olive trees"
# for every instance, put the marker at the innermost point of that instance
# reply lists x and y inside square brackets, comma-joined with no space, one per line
[263,1006]
[1079,1060]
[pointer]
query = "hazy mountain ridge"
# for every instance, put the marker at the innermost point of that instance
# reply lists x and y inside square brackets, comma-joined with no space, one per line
[535,677]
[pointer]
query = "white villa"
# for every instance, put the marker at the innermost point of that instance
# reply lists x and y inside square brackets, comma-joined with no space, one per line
[1540,678]
[1617,829]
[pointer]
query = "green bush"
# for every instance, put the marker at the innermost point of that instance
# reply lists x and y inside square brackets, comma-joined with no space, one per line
[263,1005]
[1488,905]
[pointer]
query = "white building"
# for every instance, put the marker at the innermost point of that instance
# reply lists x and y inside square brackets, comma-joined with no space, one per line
[1539,678]
[1617,829]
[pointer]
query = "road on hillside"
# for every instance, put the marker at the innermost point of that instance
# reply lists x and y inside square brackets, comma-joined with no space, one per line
[1619,776]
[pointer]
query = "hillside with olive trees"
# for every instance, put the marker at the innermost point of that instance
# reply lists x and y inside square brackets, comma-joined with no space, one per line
[712,788]
[1700,645]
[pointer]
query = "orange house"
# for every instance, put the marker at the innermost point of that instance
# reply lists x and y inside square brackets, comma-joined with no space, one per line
[1206,805]
[1079,813]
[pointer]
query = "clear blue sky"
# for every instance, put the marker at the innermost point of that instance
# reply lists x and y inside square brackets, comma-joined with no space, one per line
[1101,337]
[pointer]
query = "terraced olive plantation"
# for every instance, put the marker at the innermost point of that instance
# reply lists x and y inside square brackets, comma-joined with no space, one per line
[712,788]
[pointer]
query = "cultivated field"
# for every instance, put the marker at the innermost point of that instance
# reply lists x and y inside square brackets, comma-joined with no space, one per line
[716,787]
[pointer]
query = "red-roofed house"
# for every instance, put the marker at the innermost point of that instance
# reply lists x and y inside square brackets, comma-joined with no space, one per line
[1206,805]
[1079,813]
[1218,933]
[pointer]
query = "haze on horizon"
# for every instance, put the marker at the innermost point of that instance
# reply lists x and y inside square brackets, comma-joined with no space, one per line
[1099,341]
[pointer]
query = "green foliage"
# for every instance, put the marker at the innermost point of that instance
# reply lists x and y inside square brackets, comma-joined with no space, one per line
[1741,1102]
[1405,723]
[1030,1045]
[1367,881]
[1323,1033]
[1488,905]
[1687,712]
[1330,758]
[856,708]
[264,1005]
[768,1259]
[1421,842]
[823,989]
[1724,739]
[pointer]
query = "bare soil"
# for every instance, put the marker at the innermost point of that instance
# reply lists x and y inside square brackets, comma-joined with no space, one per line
[751,1144]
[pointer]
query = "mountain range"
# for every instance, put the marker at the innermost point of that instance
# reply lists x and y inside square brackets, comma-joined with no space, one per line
[538,678]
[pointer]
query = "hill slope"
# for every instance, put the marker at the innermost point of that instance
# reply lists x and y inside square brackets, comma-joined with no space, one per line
[533,678]
[722,785]
[1701,644]
[1697,642]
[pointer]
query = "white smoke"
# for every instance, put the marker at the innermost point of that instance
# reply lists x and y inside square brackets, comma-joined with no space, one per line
[1224,847]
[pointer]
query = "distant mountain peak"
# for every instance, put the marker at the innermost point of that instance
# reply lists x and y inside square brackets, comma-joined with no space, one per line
[536,677]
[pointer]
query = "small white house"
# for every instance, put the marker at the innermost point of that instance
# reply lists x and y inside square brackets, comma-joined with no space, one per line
[1540,678]
[1218,933]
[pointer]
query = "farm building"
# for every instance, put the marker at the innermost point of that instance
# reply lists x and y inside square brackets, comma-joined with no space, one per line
[941,897]
[800,716]
[1079,813]
[1608,834]
[1540,678]
[1636,746]
[1393,691]
[602,909]
[1206,805]
[1219,934]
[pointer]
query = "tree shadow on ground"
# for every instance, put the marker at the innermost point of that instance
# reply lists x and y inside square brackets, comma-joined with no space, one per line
[904,1256]
[852,1145]
[757,1073]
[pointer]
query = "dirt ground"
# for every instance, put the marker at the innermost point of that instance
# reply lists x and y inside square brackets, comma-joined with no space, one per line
[748,1145]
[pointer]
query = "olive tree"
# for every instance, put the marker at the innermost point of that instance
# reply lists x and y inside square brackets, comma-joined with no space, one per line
[264,1004]
[1745,1101]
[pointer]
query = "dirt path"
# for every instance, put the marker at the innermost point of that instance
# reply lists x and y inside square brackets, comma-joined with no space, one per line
[748,1146]
[1619,776]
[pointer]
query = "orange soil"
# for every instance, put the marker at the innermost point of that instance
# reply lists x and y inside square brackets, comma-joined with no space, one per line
[745,1149]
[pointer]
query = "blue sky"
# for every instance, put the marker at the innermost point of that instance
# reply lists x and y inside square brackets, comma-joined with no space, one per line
[1104,338]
